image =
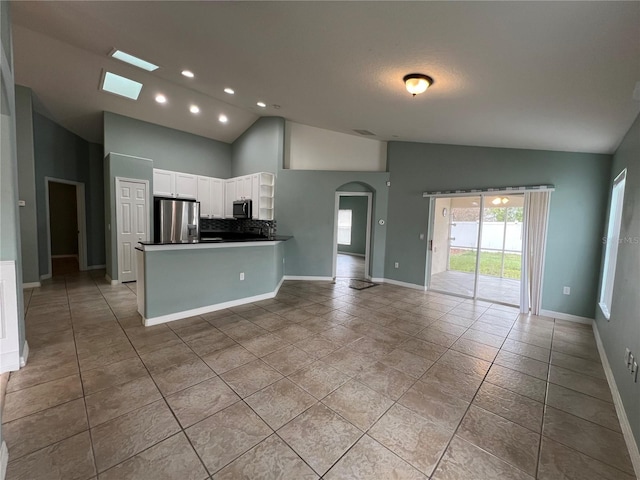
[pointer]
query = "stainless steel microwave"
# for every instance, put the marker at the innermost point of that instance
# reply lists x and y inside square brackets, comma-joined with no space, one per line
[242,209]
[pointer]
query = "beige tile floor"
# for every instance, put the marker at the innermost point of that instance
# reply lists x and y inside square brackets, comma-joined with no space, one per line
[321,382]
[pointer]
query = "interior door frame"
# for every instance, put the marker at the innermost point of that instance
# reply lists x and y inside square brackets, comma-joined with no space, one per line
[118,215]
[81,219]
[367,249]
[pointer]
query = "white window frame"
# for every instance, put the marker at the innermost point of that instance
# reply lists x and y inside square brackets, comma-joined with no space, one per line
[342,226]
[612,241]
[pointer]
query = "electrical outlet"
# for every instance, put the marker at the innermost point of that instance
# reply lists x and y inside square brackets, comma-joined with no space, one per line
[566,290]
[396,265]
[241,275]
[422,236]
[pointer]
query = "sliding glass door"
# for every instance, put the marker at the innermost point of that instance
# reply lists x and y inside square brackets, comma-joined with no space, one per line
[476,247]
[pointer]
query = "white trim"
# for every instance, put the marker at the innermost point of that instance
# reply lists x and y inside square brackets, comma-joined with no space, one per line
[96,267]
[110,280]
[369,227]
[147,207]
[31,285]
[25,354]
[627,433]
[4,460]
[9,334]
[130,156]
[566,316]
[81,219]
[308,278]
[46,276]
[148,322]
[390,281]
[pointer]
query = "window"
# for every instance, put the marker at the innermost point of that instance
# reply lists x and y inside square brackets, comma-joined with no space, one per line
[344,227]
[611,243]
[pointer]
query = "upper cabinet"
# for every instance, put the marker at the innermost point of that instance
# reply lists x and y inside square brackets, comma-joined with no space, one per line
[216,196]
[174,184]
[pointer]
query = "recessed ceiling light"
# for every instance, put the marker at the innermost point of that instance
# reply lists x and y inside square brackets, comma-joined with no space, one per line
[161,98]
[230,91]
[261,104]
[194,109]
[122,86]
[135,61]
[223,118]
[188,73]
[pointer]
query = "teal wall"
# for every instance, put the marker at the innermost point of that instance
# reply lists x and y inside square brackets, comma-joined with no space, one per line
[60,154]
[185,279]
[358,207]
[259,148]
[9,215]
[27,185]
[116,165]
[168,148]
[623,328]
[576,215]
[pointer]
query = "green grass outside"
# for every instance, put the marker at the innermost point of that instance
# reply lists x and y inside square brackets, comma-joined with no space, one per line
[465,261]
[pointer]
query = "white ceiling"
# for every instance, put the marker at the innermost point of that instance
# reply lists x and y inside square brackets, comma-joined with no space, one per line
[540,75]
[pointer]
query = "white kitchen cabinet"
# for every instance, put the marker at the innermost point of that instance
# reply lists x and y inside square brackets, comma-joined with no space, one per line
[174,184]
[262,186]
[163,183]
[211,197]
[186,185]
[229,197]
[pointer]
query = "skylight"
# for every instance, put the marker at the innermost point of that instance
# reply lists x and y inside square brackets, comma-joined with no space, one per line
[130,59]
[122,86]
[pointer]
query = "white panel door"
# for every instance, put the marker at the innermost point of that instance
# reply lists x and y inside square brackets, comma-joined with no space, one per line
[186,185]
[164,183]
[204,196]
[217,198]
[131,226]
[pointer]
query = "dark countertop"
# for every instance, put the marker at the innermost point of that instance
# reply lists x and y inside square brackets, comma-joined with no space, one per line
[276,238]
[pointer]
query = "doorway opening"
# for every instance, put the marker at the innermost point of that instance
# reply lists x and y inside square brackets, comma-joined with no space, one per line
[352,235]
[476,247]
[66,226]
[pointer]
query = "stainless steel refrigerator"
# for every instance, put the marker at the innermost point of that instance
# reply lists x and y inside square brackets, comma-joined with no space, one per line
[176,221]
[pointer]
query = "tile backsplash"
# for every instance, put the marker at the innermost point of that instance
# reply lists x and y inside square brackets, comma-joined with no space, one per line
[234,225]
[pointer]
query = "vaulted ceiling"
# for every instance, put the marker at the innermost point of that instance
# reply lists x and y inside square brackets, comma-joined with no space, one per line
[540,75]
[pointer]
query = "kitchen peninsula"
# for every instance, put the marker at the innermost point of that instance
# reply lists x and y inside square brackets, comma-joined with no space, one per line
[177,281]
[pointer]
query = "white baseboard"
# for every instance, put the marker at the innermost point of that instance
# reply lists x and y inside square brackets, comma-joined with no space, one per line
[308,278]
[362,255]
[629,439]
[25,354]
[399,283]
[4,460]
[108,278]
[46,276]
[148,322]
[31,285]
[96,267]
[566,316]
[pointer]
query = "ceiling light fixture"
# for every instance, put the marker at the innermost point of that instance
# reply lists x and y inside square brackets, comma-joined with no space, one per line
[194,109]
[223,118]
[135,61]
[230,91]
[161,98]
[121,86]
[417,83]
[261,104]
[188,73]
[500,201]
